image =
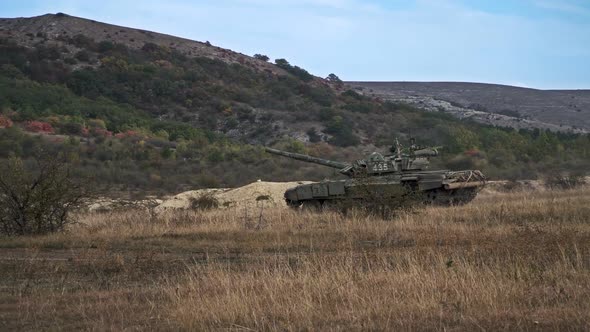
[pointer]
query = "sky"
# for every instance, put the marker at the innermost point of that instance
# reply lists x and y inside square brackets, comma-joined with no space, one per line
[541,44]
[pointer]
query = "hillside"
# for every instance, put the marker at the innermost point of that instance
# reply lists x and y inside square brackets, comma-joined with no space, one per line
[508,106]
[29,31]
[143,111]
[168,77]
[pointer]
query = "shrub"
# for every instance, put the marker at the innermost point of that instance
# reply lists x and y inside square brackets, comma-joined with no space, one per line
[558,181]
[353,94]
[47,52]
[205,202]
[36,200]
[313,135]
[128,133]
[282,63]
[332,78]
[39,127]
[342,132]
[83,56]
[96,123]
[5,122]
[150,47]
[10,70]
[100,132]
[105,46]
[82,41]
[261,57]
[296,71]
[72,128]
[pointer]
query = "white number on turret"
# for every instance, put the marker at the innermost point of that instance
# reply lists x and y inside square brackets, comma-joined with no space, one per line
[380,167]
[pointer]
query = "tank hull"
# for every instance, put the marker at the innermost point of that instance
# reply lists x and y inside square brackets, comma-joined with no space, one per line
[433,187]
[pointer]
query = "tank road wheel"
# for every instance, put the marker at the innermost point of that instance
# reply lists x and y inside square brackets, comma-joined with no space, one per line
[293,204]
[464,196]
[335,205]
[431,197]
[439,197]
[312,205]
[460,196]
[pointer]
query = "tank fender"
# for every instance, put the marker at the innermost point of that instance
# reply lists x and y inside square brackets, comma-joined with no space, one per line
[461,185]
[429,185]
[336,188]
[304,192]
[319,190]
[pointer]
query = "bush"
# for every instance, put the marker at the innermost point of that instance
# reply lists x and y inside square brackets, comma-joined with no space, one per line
[205,202]
[313,135]
[96,123]
[5,122]
[261,57]
[296,71]
[72,128]
[105,46]
[342,132]
[39,127]
[333,78]
[83,56]
[70,61]
[100,132]
[565,181]
[36,200]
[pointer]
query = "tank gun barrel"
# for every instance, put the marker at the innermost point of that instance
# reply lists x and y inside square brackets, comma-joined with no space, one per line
[426,152]
[309,159]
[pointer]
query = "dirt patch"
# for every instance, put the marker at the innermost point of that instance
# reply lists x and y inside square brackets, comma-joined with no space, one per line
[260,192]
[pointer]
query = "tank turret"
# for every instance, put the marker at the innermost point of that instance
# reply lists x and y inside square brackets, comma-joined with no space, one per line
[413,159]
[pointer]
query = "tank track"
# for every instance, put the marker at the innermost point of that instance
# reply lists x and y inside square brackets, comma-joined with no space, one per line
[438,197]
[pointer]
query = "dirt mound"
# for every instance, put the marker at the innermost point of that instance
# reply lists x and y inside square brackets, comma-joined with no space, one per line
[499,186]
[104,204]
[253,194]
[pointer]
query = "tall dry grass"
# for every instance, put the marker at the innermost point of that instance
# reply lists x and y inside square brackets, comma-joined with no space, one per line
[511,261]
[407,290]
[507,262]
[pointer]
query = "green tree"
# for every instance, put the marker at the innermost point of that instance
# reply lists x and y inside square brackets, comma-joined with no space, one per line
[334,79]
[261,57]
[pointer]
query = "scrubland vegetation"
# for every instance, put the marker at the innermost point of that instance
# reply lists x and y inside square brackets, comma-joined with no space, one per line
[156,119]
[507,261]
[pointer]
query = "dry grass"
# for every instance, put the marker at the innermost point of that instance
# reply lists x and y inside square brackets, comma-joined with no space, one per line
[512,261]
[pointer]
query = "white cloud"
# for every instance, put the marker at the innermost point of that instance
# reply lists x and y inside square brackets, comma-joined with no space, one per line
[563,6]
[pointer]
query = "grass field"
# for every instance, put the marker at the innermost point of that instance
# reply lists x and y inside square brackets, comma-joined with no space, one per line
[507,261]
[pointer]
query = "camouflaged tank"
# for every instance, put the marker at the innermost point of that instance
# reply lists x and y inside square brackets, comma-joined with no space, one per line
[400,174]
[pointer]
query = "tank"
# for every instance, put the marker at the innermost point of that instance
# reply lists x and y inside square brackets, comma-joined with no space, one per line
[387,178]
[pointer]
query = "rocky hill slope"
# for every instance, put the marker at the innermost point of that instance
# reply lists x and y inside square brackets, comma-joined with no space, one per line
[501,105]
[54,27]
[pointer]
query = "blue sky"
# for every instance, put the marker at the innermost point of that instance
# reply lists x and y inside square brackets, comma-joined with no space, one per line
[533,43]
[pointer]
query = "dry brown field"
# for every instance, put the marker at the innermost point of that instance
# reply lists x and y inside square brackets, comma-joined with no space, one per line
[507,261]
